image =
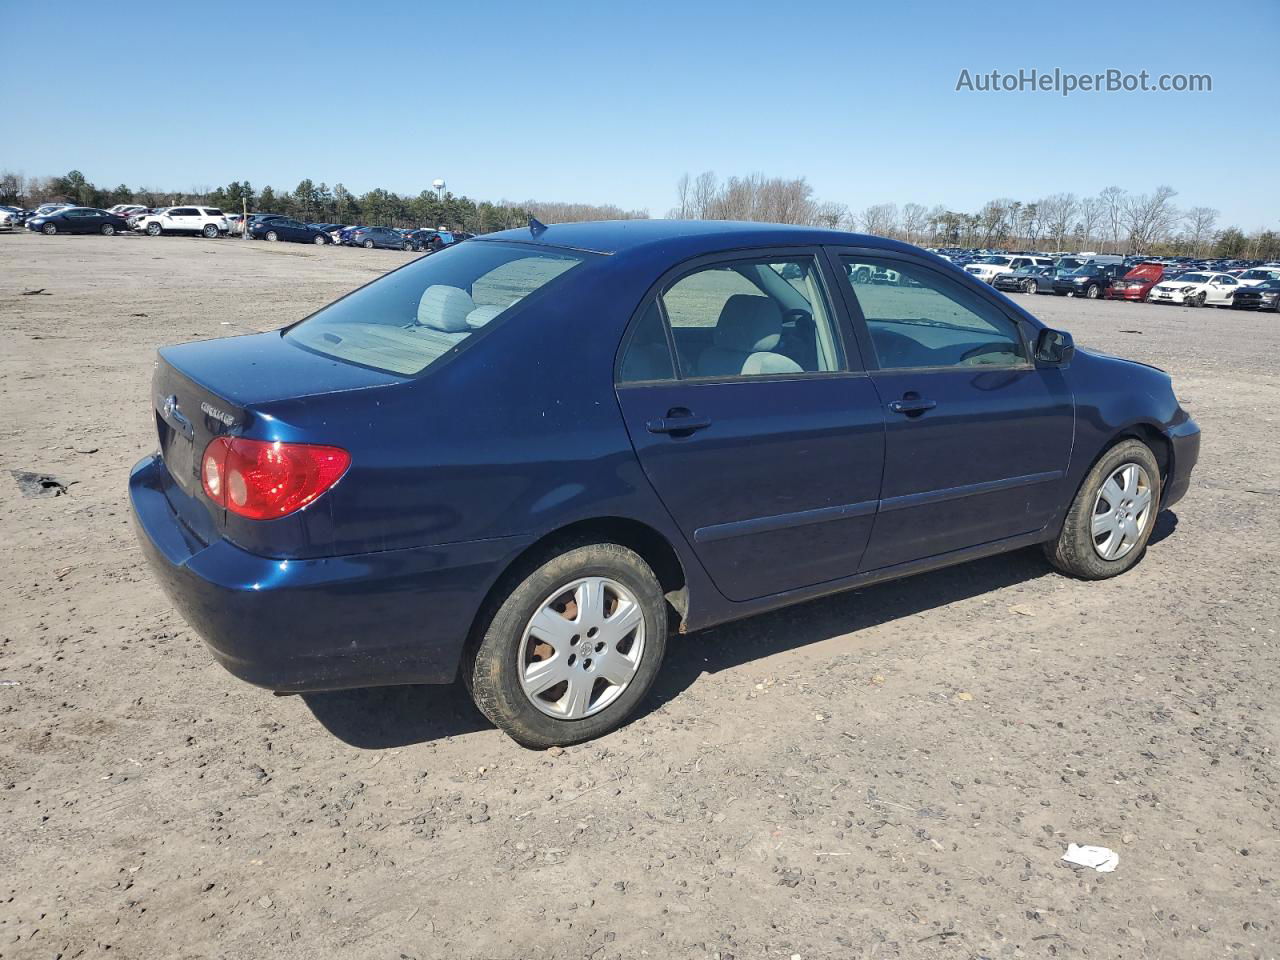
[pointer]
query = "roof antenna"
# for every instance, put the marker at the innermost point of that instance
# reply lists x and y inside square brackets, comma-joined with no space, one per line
[536,226]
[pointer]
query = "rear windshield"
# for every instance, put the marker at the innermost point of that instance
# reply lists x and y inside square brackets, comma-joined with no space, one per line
[409,318]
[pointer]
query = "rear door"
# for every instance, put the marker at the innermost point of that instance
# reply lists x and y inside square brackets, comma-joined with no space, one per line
[977,437]
[760,434]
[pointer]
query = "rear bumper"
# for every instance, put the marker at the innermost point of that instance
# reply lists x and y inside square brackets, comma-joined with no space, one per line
[391,617]
[1184,437]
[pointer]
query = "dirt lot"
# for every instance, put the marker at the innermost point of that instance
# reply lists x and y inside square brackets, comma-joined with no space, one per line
[889,773]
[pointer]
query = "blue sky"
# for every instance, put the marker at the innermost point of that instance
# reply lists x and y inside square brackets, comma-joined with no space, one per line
[611,102]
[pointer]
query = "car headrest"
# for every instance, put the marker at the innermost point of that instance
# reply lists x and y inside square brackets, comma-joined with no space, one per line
[748,323]
[445,308]
[482,315]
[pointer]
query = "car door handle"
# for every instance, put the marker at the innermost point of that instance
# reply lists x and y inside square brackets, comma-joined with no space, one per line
[678,425]
[910,406]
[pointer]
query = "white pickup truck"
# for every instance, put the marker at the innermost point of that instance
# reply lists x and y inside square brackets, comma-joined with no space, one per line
[206,221]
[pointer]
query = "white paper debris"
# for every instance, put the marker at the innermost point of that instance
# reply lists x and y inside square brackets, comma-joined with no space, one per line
[1101,859]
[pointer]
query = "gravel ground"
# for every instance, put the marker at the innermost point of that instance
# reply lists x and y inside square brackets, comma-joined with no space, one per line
[893,772]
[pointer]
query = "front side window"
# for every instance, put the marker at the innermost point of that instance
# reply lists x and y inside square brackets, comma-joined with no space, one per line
[752,318]
[415,315]
[923,319]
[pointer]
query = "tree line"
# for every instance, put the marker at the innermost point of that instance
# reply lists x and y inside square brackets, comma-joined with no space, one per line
[314,203]
[1112,221]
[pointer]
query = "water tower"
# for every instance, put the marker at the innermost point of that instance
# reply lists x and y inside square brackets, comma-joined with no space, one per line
[439,187]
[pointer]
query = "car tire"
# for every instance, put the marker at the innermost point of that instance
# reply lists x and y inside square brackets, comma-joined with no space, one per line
[1198,300]
[108,230]
[272,236]
[319,240]
[405,246]
[209,231]
[1077,550]
[1031,287]
[154,230]
[49,229]
[368,244]
[1091,291]
[499,673]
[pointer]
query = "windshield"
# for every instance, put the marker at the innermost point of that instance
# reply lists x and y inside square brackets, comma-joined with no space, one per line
[1259,274]
[1268,285]
[1002,261]
[415,315]
[1085,271]
[1194,278]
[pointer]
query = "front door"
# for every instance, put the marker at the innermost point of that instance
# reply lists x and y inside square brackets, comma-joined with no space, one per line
[977,437]
[763,442]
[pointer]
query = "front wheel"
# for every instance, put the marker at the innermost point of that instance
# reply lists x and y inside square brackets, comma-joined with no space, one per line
[153,229]
[1198,300]
[1092,291]
[319,240]
[1111,519]
[108,230]
[49,229]
[1031,287]
[573,648]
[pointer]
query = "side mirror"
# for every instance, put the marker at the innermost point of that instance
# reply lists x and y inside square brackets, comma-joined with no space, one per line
[1055,347]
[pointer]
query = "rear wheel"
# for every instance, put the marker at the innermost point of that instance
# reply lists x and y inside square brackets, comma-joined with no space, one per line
[108,230]
[272,236]
[153,230]
[573,647]
[49,229]
[368,244]
[210,231]
[1111,519]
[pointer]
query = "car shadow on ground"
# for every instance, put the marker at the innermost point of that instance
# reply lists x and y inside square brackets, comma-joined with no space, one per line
[385,717]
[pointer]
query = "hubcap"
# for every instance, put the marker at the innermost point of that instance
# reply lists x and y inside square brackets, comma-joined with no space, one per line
[582,648]
[1121,511]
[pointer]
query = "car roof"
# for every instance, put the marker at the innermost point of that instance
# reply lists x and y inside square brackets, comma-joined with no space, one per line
[685,237]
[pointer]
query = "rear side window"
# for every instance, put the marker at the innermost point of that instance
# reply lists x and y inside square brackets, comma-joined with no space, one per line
[212,212]
[646,354]
[404,321]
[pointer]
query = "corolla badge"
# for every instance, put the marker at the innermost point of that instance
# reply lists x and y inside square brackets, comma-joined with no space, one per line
[217,414]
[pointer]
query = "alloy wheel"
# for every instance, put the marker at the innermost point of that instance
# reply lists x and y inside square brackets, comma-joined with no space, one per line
[582,648]
[1121,511]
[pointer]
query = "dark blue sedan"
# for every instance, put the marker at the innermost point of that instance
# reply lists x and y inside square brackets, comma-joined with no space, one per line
[531,457]
[286,228]
[79,220]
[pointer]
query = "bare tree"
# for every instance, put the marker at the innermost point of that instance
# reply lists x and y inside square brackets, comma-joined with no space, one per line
[831,215]
[1091,214]
[1059,211]
[914,220]
[1113,213]
[1150,217]
[880,219]
[681,210]
[1200,223]
[705,187]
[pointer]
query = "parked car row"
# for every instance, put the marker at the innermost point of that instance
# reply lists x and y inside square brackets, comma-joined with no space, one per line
[1179,281]
[211,222]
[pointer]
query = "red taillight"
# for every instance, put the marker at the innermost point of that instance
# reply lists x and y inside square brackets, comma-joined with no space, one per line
[262,480]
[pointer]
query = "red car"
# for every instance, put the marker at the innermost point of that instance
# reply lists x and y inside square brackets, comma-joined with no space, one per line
[1137,283]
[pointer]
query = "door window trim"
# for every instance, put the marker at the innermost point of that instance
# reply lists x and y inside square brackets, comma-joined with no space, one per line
[863,332]
[849,350]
